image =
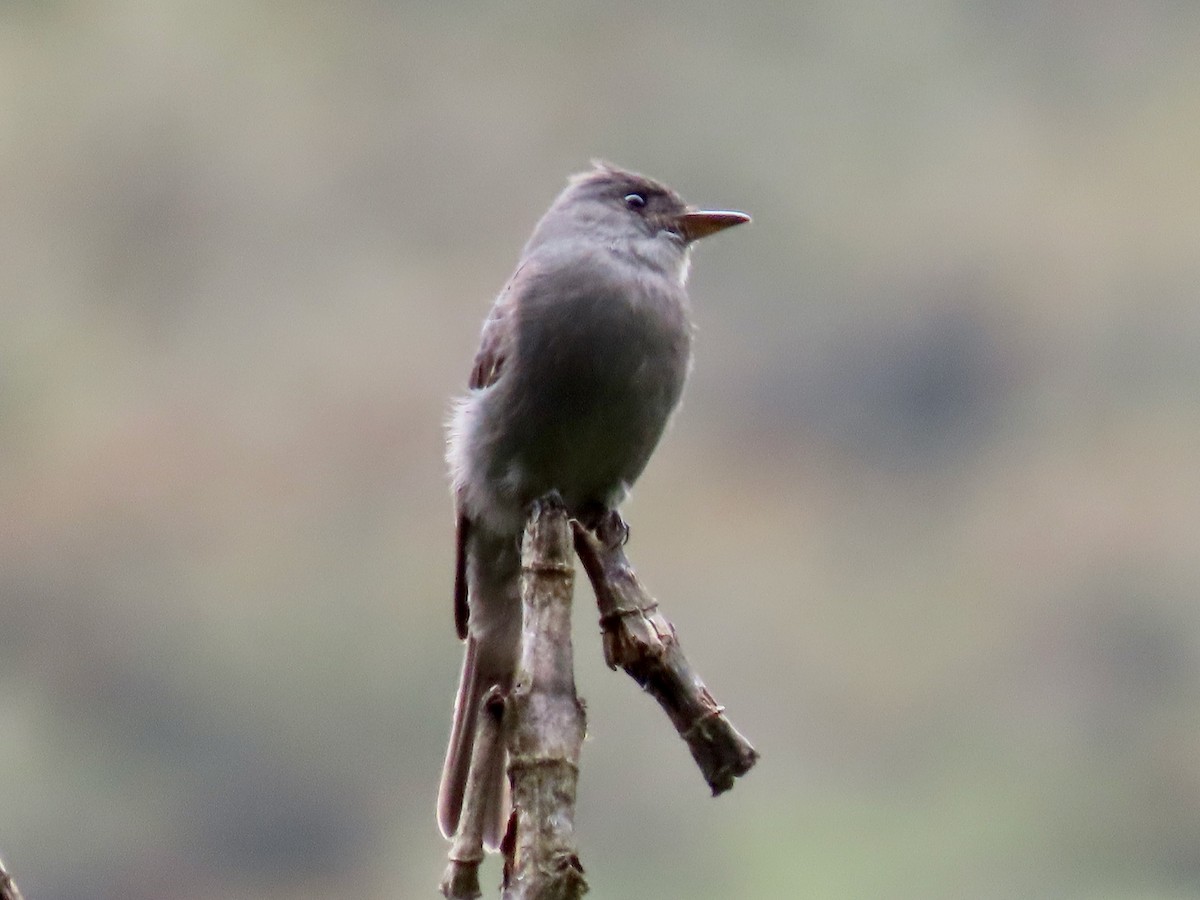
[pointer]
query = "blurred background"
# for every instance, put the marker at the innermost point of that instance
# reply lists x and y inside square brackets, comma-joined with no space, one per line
[928,523]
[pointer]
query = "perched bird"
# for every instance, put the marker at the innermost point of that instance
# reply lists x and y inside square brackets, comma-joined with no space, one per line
[581,363]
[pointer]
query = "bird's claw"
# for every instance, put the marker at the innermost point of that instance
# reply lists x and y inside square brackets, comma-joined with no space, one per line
[606,524]
[547,502]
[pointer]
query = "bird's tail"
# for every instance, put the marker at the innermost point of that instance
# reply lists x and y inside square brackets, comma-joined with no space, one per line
[493,644]
[473,685]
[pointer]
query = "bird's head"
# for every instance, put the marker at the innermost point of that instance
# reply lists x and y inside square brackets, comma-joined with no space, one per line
[632,214]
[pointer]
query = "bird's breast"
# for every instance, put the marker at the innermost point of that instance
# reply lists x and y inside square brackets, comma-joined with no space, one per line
[594,341]
[599,366]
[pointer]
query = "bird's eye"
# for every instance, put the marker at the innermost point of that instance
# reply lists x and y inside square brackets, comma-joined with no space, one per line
[635,201]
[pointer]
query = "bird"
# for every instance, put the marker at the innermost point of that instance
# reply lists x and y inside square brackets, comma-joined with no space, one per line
[581,365]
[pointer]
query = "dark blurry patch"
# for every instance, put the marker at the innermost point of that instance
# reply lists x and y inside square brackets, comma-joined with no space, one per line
[256,808]
[908,394]
[1132,648]
[260,819]
[1112,674]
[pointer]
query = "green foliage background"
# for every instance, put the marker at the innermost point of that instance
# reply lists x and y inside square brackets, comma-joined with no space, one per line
[928,522]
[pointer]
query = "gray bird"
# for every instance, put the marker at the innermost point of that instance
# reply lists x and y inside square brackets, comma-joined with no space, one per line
[581,363]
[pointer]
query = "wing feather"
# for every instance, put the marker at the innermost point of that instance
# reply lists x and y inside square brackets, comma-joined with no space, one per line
[494,344]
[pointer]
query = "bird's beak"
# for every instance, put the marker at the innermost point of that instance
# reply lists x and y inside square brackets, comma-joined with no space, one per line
[694,224]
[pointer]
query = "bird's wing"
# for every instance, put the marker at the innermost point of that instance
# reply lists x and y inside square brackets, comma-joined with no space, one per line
[497,336]
[461,610]
[494,346]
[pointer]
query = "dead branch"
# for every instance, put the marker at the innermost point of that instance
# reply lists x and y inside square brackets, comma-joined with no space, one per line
[544,720]
[643,642]
[461,881]
[8,887]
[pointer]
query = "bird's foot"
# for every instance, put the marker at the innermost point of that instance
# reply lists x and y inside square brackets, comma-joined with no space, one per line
[606,524]
[549,501]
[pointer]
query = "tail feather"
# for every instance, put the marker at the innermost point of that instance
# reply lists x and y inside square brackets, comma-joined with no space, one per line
[491,564]
[474,683]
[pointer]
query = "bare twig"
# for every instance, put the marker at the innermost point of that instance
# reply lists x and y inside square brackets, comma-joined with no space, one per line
[544,719]
[8,887]
[461,881]
[642,641]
